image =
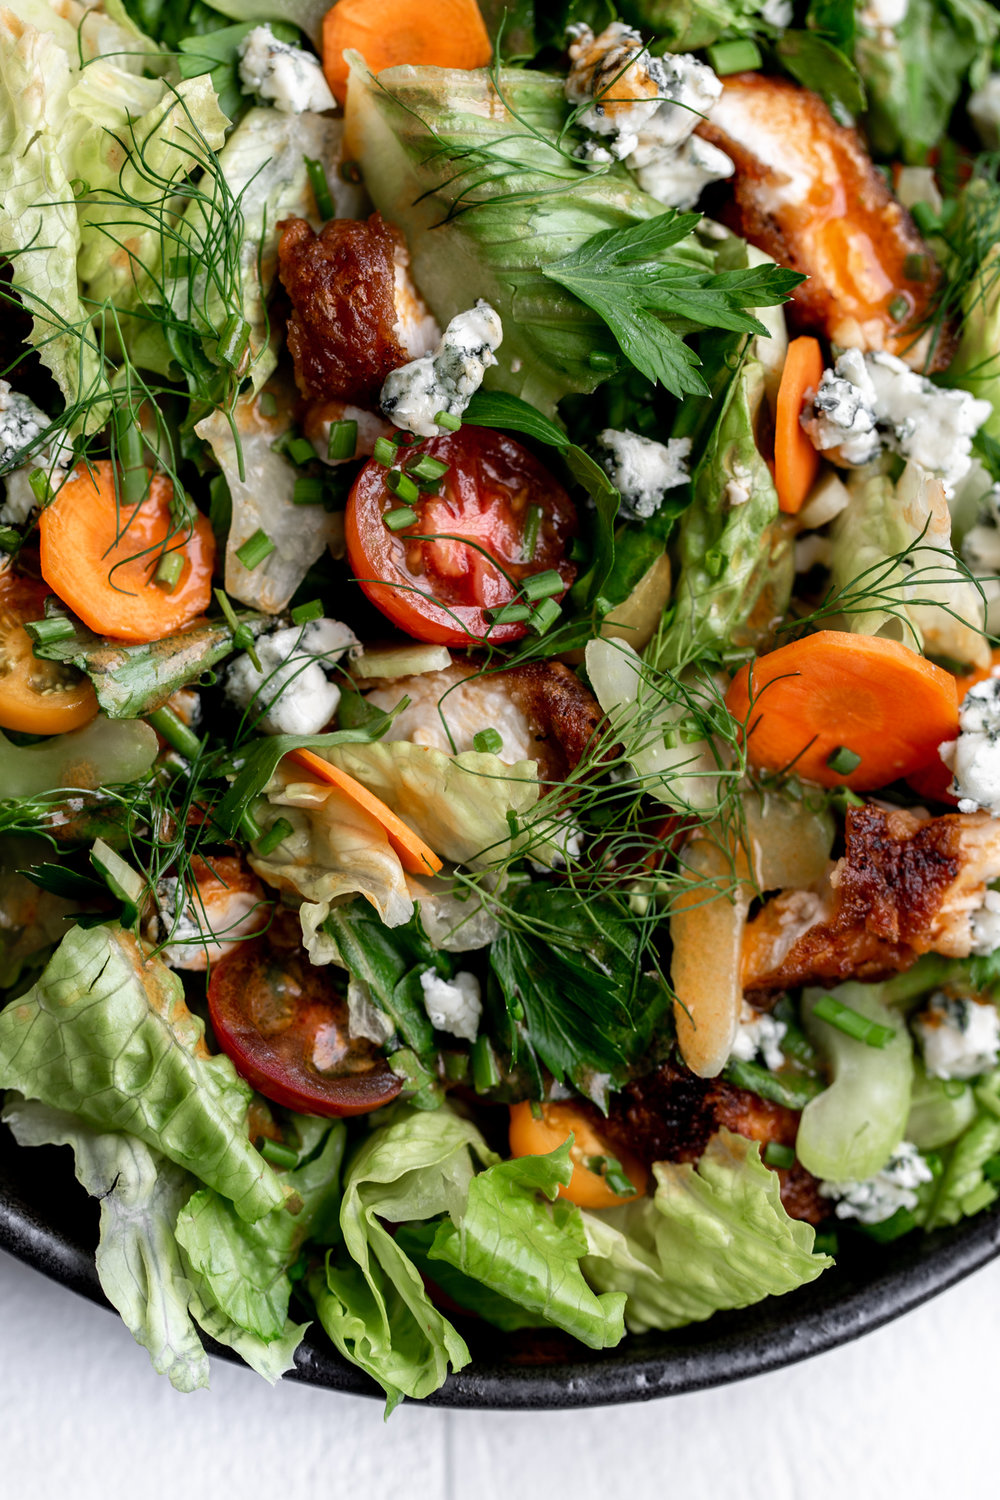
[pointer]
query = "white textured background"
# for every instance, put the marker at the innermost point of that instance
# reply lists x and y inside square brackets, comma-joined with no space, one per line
[909,1413]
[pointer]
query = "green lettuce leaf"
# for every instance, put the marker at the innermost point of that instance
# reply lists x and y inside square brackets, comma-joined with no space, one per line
[686,25]
[307,15]
[714,1236]
[472,1296]
[522,1249]
[105,1034]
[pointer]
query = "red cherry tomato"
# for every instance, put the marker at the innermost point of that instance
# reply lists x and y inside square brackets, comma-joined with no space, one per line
[283,1023]
[438,590]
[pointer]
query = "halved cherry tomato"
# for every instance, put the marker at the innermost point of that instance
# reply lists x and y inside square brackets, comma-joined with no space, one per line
[36,697]
[484,545]
[283,1022]
[534,1136]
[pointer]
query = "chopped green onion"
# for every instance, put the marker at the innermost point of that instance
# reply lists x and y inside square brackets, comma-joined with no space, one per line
[385,451]
[614,1174]
[537,1112]
[916,267]
[925,217]
[508,614]
[303,613]
[130,450]
[544,615]
[320,188]
[402,486]
[427,468]
[485,1068]
[267,404]
[255,549]
[715,562]
[249,827]
[447,421]
[542,585]
[9,539]
[53,628]
[308,490]
[300,450]
[599,359]
[342,441]
[275,835]
[899,309]
[776,1155]
[172,728]
[852,1023]
[400,517]
[738,56]
[532,531]
[233,340]
[169,570]
[843,761]
[792,1090]
[38,481]
[513,824]
[278,1154]
[488,741]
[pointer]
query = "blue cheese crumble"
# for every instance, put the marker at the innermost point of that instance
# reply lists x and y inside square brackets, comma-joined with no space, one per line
[759,1036]
[974,758]
[877,1198]
[293,694]
[642,470]
[448,379]
[281,75]
[960,1038]
[453,1005]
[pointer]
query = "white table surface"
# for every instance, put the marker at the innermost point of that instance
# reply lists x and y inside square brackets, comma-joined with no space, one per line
[908,1413]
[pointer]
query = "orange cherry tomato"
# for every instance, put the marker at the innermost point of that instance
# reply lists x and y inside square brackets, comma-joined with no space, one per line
[537,1136]
[36,697]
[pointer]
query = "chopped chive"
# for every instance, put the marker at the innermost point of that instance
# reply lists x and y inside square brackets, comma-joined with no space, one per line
[485,1068]
[248,825]
[852,1023]
[278,1154]
[320,188]
[40,487]
[233,340]
[400,517]
[899,309]
[342,441]
[447,421]
[544,615]
[300,450]
[302,614]
[916,267]
[172,728]
[738,56]
[9,539]
[169,570]
[130,450]
[537,1112]
[488,741]
[578,550]
[715,562]
[532,531]
[427,468]
[308,490]
[255,549]
[53,628]
[384,451]
[275,835]
[508,614]
[402,486]
[925,217]
[776,1155]
[614,1174]
[513,824]
[542,585]
[843,761]
[599,359]
[267,404]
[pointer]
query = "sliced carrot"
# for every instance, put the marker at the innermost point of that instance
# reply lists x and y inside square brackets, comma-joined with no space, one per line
[834,691]
[101,559]
[536,1134]
[933,780]
[414,854]
[436,33]
[796,462]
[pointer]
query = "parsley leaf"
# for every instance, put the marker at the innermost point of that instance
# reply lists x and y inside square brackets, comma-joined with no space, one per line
[649,303]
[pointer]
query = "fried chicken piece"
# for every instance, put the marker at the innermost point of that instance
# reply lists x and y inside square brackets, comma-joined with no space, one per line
[906,885]
[343,329]
[807,192]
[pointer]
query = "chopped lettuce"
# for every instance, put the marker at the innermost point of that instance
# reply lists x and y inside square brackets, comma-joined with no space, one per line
[306,14]
[714,1236]
[105,1034]
[686,25]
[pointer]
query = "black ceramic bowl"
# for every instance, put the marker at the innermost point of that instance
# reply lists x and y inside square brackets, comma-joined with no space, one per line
[48,1221]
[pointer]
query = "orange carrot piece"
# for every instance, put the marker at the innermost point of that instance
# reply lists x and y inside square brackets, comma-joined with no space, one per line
[532,1135]
[796,462]
[434,33]
[836,691]
[414,855]
[101,560]
[934,779]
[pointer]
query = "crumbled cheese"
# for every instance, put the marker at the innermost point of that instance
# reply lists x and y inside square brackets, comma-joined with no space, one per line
[448,379]
[974,758]
[453,1005]
[984,112]
[20,423]
[877,1198]
[643,470]
[759,1035]
[642,110]
[282,75]
[868,400]
[293,693]
[364,1019]
[186,704]
[960,1038]
[884,15]
[415,326]
[981,543]
[778,13]
[812,550]
[985,925]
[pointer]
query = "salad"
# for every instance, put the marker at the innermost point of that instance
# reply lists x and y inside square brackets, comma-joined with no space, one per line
[500,814]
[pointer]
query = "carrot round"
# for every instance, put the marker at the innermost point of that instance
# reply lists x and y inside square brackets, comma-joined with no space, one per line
[414,855]
[854,694]
[796,462]
[101,559]
[536,1134]
[434,33]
